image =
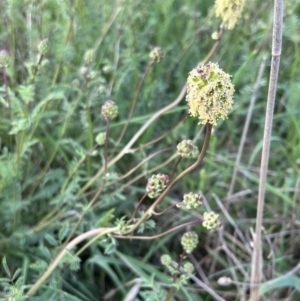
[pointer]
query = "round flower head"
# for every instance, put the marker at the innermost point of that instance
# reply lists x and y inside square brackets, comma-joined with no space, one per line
[211,220]
[188,267]
[100,138]
[189,241]
[4,59]
[109,110]
[187,149]
[43,47]
[209,93]
[89,56]
[156,54]
[230,11]
[192,200]
[156,184]
[165,259]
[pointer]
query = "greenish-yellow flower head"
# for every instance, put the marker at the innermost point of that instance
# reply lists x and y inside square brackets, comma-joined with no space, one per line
[211,220]
[230,11]
[4,59]
[187,149]
[165,259]
[209,93]
[192,200]
[189,268]
[156,54]
[100,138]
[109,110]
[156,184]
[189,241]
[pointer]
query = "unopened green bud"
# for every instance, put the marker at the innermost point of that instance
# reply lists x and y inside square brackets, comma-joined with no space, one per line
[188,267]
[209,93]
[101,89]
[165,259]
[211,220]
[107,69]
[187,149]
[89,56]
[192,200]
[100,138]
[43,47]
[189,241]
[109,110]
[4,59]
[156,184]
[156,54]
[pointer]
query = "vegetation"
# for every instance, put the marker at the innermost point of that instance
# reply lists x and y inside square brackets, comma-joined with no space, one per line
[109,189]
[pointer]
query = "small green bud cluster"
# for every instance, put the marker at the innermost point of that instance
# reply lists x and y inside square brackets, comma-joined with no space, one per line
[89,56]
[109,110]
[189,268]
[100,138]
[187,149]
[156,54]
[192,200]
[209,93]
[4,59]
[156,184]
[43,47]
[189,241]
[165,259]
[211,220]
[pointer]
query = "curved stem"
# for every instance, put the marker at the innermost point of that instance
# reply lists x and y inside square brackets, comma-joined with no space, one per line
[148,213]
[194,222]
[70,245]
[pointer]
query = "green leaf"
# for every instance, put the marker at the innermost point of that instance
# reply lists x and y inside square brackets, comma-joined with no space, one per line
[5,266]
[289,281]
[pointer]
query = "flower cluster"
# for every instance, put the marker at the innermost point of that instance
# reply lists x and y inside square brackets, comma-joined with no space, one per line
[156,54]
[156,184]
[109,110]
[187,149]
[4,59]
[211,220]
[189,241]
[230,11]
[43,47]
[100,138]
[192,200]
[209,93]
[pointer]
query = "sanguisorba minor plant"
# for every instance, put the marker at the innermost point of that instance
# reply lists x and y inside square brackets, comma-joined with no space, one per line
[209,98]
[33,107]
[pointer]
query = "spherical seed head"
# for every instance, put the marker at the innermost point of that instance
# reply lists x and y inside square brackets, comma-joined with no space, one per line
[156,184]
[211,220]
[165,259]
[43,47]
[109,110]
[100,138]
[89,56]
[189,241]
[188,267]
[156,54]
[187,149]
[4,59]
[209,93]
[192,200]
[230,11]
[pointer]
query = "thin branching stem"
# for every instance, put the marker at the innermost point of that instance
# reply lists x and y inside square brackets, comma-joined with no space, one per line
[256,275]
